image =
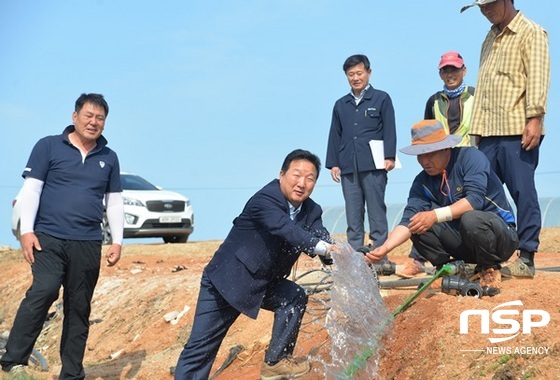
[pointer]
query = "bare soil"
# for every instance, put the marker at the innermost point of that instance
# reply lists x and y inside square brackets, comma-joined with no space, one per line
[130,337]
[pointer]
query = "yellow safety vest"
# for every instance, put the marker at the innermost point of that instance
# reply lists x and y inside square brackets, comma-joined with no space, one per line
[441,107]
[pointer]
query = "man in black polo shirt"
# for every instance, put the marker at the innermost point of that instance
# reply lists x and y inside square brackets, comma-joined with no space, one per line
[67,178]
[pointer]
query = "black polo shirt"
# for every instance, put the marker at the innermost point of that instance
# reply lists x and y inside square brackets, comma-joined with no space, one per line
[71,203]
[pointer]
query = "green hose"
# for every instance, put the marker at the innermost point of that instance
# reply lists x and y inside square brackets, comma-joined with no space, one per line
[446,270]
[360,360]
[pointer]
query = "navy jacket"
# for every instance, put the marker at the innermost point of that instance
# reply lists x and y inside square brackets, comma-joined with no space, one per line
[469,176]
[262,246]
[354,126]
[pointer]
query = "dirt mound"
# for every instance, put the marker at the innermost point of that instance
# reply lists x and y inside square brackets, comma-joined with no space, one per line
[143,309]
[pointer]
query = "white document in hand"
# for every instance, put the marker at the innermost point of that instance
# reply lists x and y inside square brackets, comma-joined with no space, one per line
[378,154]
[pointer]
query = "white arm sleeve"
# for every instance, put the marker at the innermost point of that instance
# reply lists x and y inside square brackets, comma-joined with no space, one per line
[115,216]
[29,197]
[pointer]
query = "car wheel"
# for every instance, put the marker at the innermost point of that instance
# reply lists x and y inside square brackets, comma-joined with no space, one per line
[106,232]
[176,239]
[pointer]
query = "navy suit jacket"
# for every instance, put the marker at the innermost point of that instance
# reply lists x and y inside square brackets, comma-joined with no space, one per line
[262,246]
[354,126]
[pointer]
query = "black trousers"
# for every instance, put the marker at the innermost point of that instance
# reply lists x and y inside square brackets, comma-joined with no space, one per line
[478,237]
[74,265]
[214,316]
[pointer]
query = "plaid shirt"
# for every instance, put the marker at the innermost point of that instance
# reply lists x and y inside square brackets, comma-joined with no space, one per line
[513,79]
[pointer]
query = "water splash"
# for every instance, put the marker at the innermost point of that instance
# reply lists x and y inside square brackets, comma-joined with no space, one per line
[357,317]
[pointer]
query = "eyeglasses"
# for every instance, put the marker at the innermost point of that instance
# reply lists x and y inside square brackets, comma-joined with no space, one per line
[450,70]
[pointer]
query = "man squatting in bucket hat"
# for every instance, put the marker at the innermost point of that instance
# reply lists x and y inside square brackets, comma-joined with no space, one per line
[456,209]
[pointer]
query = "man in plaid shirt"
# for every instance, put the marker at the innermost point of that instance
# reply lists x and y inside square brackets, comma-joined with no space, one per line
[508,114]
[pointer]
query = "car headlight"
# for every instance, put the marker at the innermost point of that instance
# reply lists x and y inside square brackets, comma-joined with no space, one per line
[132,202]
[130,219]
[188,202]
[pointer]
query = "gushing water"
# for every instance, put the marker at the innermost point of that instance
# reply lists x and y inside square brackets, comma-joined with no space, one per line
[357,317]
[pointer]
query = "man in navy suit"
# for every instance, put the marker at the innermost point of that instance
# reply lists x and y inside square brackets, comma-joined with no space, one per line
[248,272]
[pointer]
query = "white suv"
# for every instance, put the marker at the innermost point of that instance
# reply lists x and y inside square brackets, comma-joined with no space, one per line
[149,211]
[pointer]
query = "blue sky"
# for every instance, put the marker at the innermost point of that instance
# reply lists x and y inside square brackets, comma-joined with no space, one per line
[207,97]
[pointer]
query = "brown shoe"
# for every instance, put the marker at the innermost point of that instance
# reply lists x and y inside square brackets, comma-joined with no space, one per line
[285,368]
[518,269]
[411,269]
[490,277]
